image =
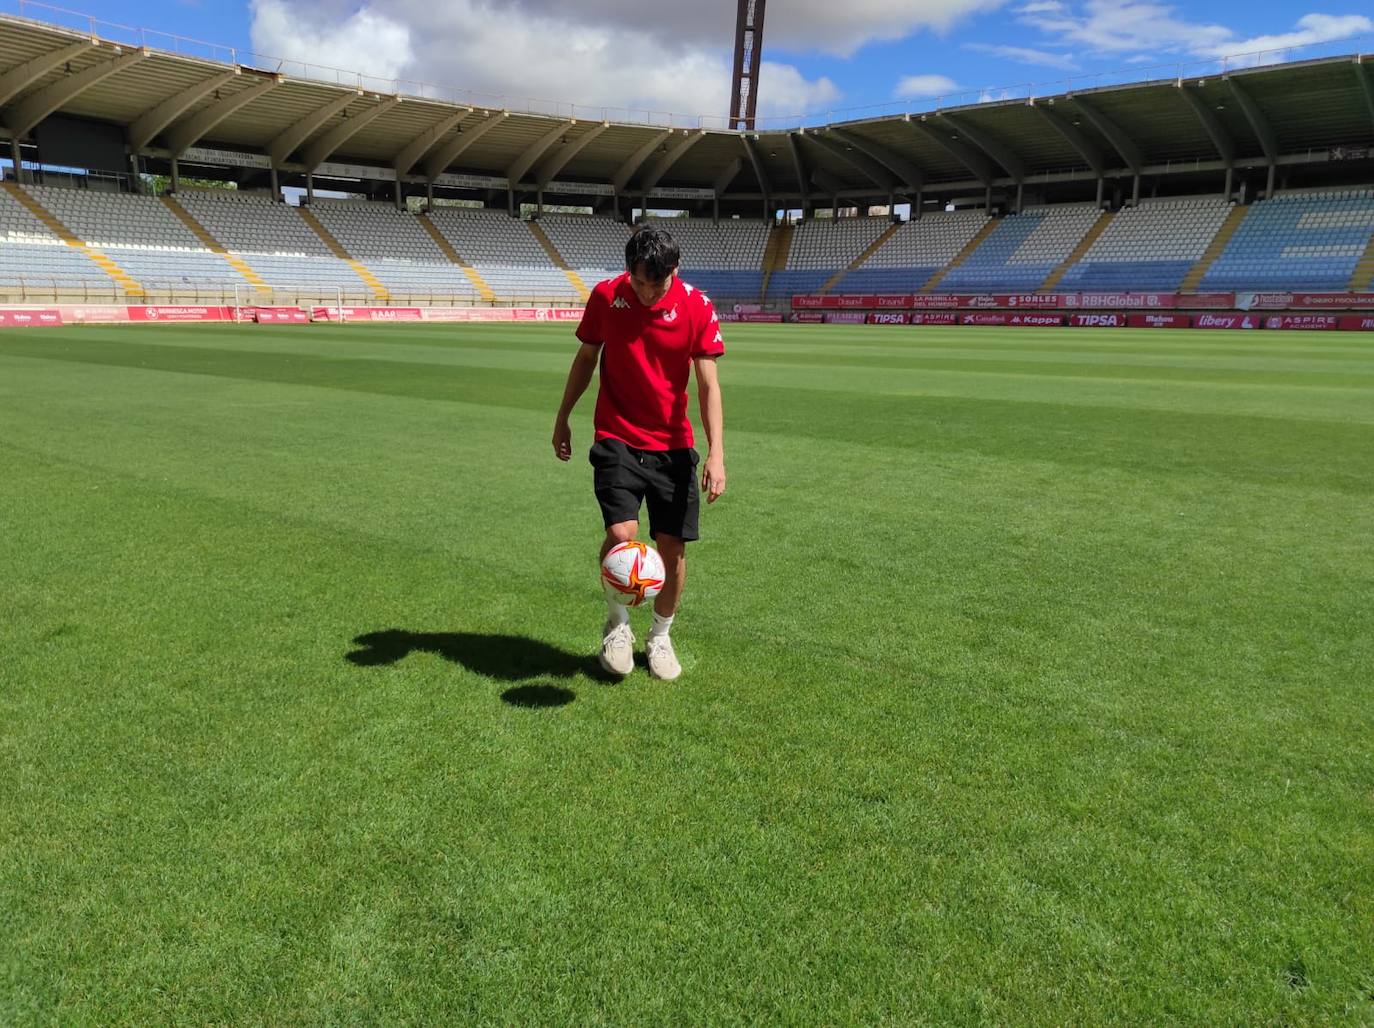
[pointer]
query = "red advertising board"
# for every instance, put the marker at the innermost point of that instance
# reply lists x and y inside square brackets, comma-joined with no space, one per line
[761,318]
[889,318]
[1035,301]
[1303,301]
[1158,321]
[935,318]
[30,317]
[845,318]
[1207,301]
[280,316]
[1098,320]
[800,303]
[808,318]
[947,302]
[180,314]
[892,302]
[985,319]
[1357,323]
[1037,320]
[1226,321]
[1134,301]
[1317,322]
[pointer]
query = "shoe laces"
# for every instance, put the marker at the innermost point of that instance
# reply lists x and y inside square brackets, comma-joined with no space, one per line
[659,645]
[620,634]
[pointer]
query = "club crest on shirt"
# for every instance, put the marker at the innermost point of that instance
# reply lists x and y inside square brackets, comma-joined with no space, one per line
[670,315]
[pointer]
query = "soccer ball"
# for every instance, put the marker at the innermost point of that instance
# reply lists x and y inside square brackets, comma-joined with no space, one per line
[632,573]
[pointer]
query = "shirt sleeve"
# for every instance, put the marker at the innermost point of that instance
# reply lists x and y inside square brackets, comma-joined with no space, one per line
[708,342]
[589,330]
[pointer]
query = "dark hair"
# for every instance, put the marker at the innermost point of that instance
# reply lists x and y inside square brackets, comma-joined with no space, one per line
[653,249]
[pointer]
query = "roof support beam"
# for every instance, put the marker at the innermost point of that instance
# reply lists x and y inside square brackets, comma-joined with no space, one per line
[1257,119]
[419,146]
[626,171]
[152,121]
[318,151]
[907,172]
[829,183]
[728,174]
[752,152]
[665,163]
[192,130]
[516,171]
[1090,152]
[1366,87]
[453,149]
[1123,144]
[990,145]
[285,142]
[798,161]
[866,166]
[28,112]
[966,155]
[1221,139]
[18,78]
[558,160]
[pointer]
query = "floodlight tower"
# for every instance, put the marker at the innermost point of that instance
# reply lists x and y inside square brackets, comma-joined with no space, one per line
[744,92]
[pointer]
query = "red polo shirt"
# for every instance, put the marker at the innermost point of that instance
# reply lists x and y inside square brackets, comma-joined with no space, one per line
[646,358]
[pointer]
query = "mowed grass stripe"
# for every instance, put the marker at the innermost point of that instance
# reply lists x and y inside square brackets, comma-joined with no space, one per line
[1248,448]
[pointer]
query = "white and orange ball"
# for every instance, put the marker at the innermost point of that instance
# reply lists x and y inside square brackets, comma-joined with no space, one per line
[632,573]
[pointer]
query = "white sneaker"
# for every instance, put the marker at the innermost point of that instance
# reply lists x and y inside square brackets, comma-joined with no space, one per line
[618,649]
[662,660]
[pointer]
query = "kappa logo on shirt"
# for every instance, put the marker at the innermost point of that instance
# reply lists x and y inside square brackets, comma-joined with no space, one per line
[620,304]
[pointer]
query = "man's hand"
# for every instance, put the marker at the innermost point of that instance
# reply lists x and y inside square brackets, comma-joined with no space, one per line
[562,440]
[713,478]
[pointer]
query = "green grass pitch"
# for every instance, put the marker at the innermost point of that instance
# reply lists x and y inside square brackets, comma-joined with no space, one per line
[1029,679]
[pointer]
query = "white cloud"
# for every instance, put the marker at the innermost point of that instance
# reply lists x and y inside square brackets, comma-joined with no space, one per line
[915,87]
[530,60]
[1146,27]
[1025,55]
[365,41]
[1310,29]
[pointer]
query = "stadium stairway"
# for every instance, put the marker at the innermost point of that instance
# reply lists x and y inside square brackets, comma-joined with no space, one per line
[370,280]
[582,291]
[858,261]
[1363,277]
[118,275]
[213,245]
[1084,245]
[775,254]
[1198,272]
[988,229]
[484,290]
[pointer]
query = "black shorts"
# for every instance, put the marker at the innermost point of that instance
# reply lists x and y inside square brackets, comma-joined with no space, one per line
[666,479]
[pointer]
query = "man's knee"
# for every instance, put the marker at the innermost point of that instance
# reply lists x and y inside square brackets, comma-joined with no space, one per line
[622,532]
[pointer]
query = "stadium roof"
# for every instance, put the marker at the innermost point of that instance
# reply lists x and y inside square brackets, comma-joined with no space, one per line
[210,112]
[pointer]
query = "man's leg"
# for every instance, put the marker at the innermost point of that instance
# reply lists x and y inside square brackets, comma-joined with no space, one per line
[673,550]
[674,504]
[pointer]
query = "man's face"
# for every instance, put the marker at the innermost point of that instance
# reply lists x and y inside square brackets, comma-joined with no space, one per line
[649,290]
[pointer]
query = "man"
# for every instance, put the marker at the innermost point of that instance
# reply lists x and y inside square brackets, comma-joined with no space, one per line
[649,329]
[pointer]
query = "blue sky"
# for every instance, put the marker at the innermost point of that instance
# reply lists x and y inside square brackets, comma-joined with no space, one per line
[819,55]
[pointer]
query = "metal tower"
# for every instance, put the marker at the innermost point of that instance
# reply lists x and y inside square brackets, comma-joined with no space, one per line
[744,92]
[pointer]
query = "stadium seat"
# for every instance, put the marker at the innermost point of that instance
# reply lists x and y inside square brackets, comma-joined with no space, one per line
[1297,241]
[1150,247]
[1019,254]
[911,255]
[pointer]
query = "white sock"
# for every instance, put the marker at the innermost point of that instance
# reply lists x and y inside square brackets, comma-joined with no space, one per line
[617,613]
[661,625]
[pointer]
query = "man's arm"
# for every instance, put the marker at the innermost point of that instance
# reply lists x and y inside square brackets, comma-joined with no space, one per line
[713,419]
[579,377]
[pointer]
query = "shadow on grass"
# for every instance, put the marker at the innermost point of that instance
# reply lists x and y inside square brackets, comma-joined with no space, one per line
[510,658]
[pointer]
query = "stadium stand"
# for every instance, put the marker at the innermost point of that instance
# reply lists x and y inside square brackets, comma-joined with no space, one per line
[822,247]
[504,252]
[273,240]
[724,259]
[139,234]
[1019,254]
[31,253]
[1298,241]
[395,248]
[593,247]
[911,255]
[1152,246]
